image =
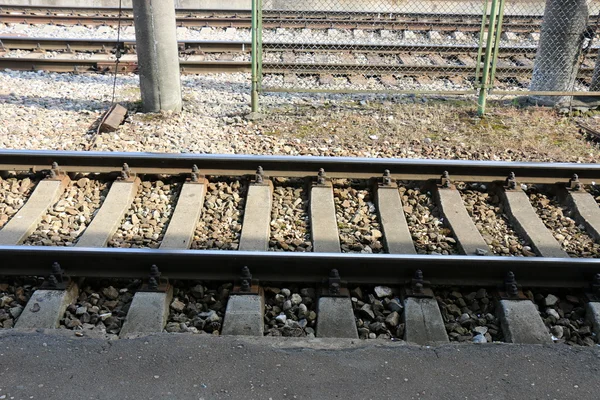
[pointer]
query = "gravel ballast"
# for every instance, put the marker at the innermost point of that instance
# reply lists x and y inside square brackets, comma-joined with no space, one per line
[469,315]
[487,211]
[14,295]
[14,192]
[427,230]
[220,224]
[378,312]
[572,237]
[290,311]
[64,223]
[290,222]
[100,307]
[198,307]
[146,221]
[564,316]
[358,224]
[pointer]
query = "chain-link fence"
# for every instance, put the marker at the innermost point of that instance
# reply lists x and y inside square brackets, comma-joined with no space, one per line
[547,47]
[427,46]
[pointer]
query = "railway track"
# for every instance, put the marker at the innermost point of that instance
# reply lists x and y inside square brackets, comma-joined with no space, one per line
[81,55]
[43,192]
[271,19]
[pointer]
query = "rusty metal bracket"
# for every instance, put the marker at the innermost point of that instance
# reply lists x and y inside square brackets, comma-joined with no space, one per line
[322,179]
[156,282]
[418,287]
[126,174]
[574,184]
[260,178]
[333,286]
[55,173]
[245,284]
[445,181]
[510,289]
[57,280]
[387,181]
[196,176]
[510,184]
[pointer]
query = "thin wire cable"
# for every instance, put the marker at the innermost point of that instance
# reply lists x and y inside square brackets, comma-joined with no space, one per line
[117,54]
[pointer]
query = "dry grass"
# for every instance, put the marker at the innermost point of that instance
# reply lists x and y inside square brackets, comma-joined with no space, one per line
[438,129]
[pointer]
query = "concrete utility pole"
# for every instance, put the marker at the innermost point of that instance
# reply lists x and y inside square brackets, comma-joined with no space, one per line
[158,55]
[557,59]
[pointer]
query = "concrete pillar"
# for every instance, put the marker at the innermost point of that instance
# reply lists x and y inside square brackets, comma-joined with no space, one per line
[158,55]
[557,59]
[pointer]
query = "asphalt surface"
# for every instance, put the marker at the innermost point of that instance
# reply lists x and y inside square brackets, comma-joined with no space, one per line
[38,365]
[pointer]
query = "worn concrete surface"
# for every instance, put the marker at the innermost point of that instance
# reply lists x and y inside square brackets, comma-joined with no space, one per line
[244,315]
[336,318]
[182,366]
[521,322]
[424,323]
[149,312]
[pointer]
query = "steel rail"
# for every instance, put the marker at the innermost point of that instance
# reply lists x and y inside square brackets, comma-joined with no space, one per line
[298,267]
[296,166]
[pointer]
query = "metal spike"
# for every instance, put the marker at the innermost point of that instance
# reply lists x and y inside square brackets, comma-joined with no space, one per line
[321,176]
[510,284]
[511,181]
[387,178]
[260,174]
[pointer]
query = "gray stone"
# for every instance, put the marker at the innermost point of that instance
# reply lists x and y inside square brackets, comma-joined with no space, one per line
[110,293]
[557,331]
[552,313]
[177,305]
[393,319]
[16,311]
[281,318]
[394,305]
[383,291]
[366,311]
[482,330]
[296,299]
[81,310]
[286,292]
[479,338]
[550,300]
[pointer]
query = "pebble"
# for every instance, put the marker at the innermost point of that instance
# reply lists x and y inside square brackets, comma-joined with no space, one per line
[222,215]
[564,317]
[469,315]
[377,317]
[290,311]
[64,223]
[429,234]
[488,214]
[289,217]
[146,221]
[100,308]
[14,295]
[356,217]
[572,238]
[383,291]
[195,310]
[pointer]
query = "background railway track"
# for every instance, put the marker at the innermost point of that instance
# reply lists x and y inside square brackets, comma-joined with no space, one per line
[81,55]
[272,19]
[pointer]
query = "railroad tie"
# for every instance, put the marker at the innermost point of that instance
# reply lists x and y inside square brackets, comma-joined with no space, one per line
[323,222]
[256,228]
[335,315]
[592,313]
[46,193]
[521,322]
[424,323]
[529,225]
[586,211]
[396,236]
[111,213]
[245,312]
[149,311]
[46,308]
[467,235]
[182,226]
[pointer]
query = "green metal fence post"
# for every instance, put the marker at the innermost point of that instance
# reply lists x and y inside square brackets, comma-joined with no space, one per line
[254,62]
[487,60]
[480,49]
[259,32]
[497,43]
